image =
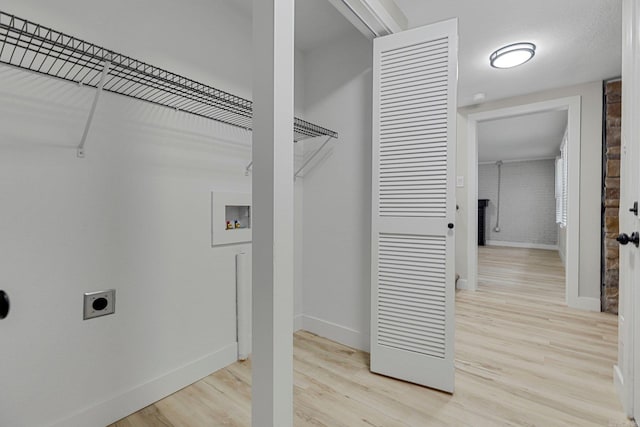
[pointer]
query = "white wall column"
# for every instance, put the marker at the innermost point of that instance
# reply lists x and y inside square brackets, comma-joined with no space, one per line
[273,68]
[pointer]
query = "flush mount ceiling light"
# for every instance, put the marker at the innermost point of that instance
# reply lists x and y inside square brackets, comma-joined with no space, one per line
[512,55]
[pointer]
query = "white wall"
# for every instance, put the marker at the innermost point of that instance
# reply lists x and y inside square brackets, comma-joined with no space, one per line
[461,196]
[134,215]
[591,166]
[527,201]
[337,194]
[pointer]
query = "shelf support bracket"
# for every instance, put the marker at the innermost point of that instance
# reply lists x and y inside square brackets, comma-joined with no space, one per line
[315,153]
[105,72]
[247,170]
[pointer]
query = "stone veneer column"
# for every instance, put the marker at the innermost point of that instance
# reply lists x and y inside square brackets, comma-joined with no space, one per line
[611,195]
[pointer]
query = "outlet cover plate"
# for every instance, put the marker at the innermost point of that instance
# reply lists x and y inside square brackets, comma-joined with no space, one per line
[100,303]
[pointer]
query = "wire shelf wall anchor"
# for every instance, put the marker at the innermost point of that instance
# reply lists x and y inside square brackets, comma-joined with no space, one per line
[248,168]
[103,78]
[311,157]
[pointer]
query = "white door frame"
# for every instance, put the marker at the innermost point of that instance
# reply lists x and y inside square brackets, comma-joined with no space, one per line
[573,107]
[630,103]
[626,372]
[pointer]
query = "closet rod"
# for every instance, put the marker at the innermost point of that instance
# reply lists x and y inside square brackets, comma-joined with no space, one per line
[31,46]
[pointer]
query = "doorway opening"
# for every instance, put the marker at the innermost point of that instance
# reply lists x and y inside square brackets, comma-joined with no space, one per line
[522,204]
[571,106]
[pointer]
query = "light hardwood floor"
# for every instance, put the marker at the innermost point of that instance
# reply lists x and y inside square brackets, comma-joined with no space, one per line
[522,359]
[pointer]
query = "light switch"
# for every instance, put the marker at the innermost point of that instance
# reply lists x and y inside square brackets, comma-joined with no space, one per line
[460,181]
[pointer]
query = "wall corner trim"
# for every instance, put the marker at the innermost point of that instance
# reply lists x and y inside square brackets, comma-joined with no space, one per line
[130,401]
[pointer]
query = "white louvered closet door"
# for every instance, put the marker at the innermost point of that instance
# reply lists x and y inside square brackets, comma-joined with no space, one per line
[414,137]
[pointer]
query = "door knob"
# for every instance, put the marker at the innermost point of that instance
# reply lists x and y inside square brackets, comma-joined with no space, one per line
[450,225]
[624,238]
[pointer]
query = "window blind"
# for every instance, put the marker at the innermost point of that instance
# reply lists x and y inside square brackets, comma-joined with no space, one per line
[562,181]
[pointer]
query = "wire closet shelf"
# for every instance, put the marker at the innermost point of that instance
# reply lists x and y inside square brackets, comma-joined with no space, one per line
[30,46]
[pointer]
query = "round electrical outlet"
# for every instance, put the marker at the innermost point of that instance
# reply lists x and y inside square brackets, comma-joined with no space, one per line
[100,304]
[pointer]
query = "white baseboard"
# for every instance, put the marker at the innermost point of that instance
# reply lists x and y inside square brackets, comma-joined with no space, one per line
[586,303]
[462,284]
[335,332]
[117,407]
[521,245]
[297,322]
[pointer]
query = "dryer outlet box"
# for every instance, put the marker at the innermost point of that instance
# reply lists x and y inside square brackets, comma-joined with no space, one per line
[99,303]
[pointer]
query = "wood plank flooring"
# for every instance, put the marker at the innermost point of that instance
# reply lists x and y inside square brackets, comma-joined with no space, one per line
[522,359]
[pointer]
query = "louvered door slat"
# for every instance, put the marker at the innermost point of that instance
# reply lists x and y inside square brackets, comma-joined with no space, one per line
[416,122]
[410,150]
[425,321]
[417,46]
[420,70]
[407,111]
[413,171]
[402,142]
[413,61]
[425,57]
[415,87]
[414,99]
[421,49]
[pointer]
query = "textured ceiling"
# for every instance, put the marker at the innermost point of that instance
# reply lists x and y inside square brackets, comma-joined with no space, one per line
[531,136]
[578,41]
